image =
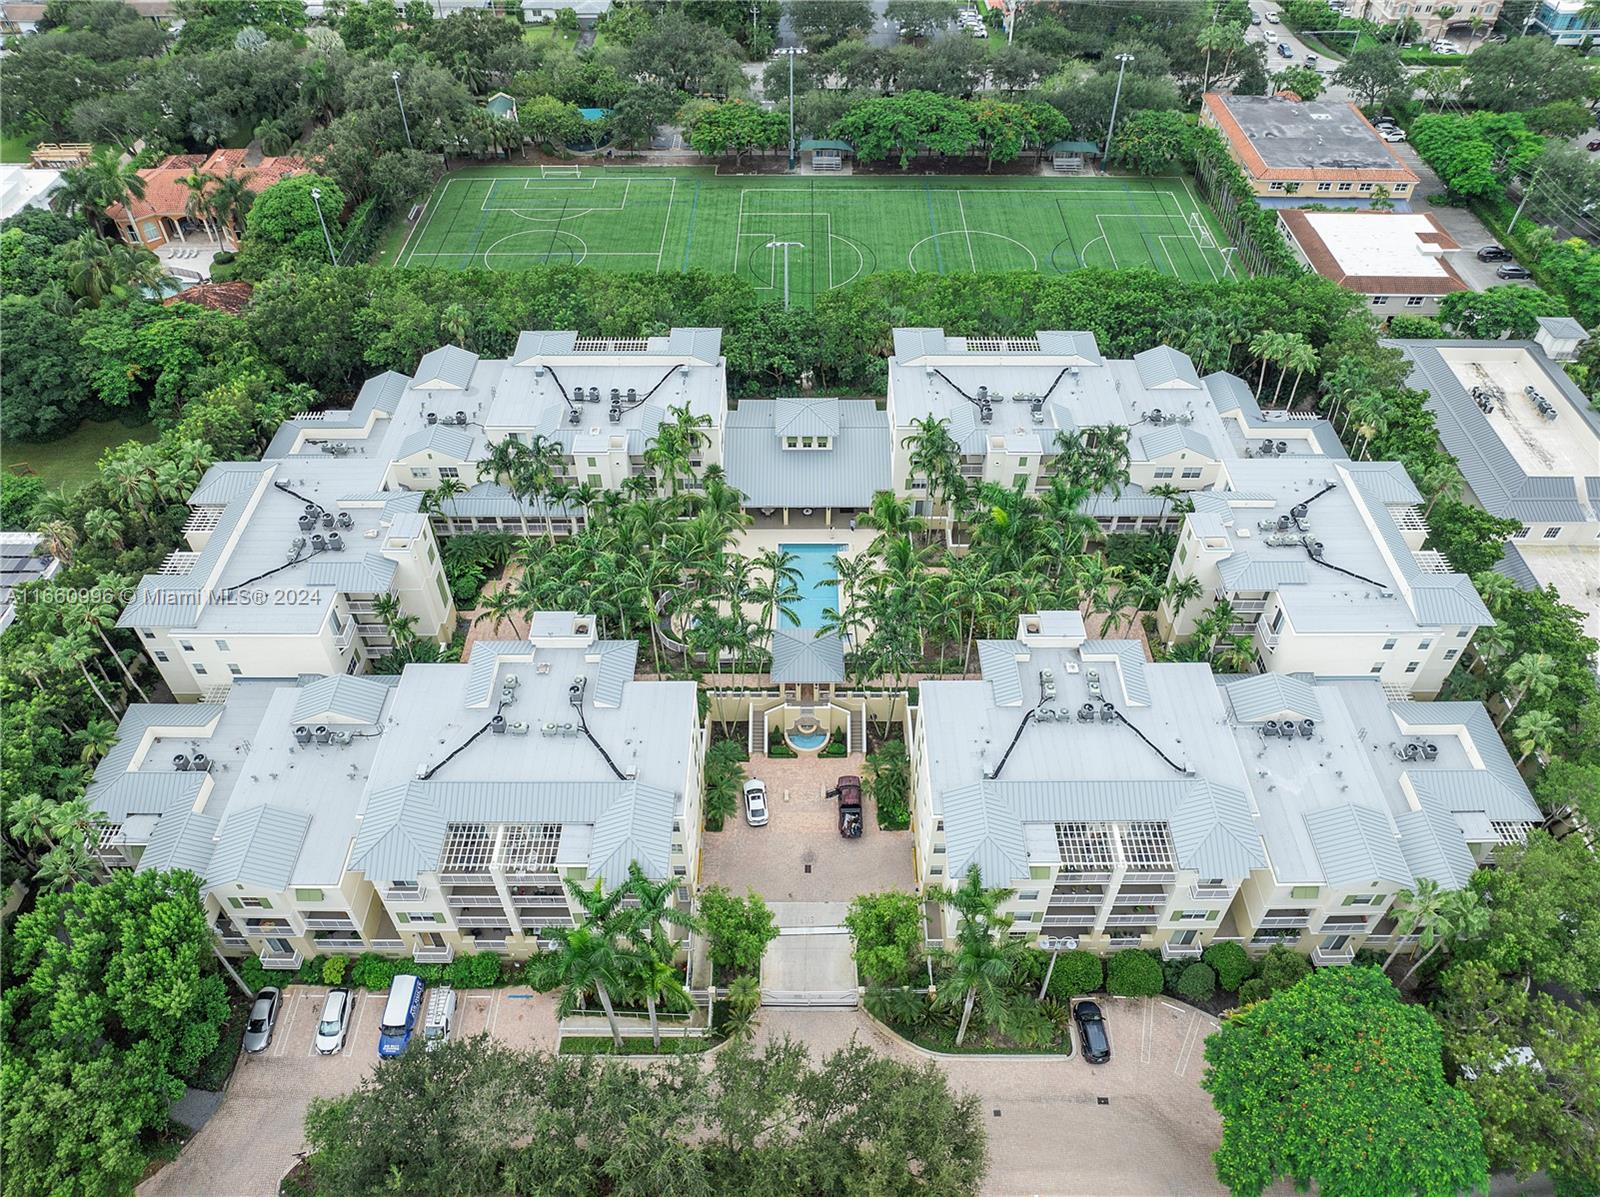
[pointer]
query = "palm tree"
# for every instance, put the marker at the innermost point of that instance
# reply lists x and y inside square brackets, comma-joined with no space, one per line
[229,201]
[744,999]
[891,516]
[1212,37]
[934,455]
[101,183]
[499,606]
[782,586]
[1460,915]
[94,739]
[1413,909]
[589,959]
[1442,480]
[73,652]
[1268,346]
[1531,673]
[195,204]
[101,618]
[1535,731]
[1299,356]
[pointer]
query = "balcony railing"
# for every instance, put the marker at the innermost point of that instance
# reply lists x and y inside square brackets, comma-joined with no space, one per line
[1132,920]
[1326,956]
[329,924]
[273,959]
[1285,921]
[233,941]
[1083,876]
[1205,893]
[433,954]
[401,894]
[476,900]
[353,944]
[540,924]
[1174,951]
[387,945]
[496,918]
[1126,941]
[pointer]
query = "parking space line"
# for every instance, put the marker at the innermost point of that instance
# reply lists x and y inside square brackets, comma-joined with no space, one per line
[1146,1032]
[280,1048]
[494,1009]
[1186,1048]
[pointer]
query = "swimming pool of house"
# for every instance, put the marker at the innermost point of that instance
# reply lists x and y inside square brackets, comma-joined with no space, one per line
[815,563]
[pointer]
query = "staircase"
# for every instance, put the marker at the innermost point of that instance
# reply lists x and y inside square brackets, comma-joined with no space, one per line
[857,735]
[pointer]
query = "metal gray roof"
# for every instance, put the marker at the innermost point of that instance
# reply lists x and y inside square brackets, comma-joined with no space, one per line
[1461,790]
[997,662]
[369,573]
[1430,840]
[1562,328]
[347,698]
[1163,367]
[1173,438]
[226,481]
[258,847]
[807,655]
[1515,566]
[1242,572]
[1129,656]
[150,793]
[805,417]
[1071,344]
[854,467]
[484,661]
[450,440]
[1497,479]
[1272,696]
[1356,844]
[181,840]
[448,367]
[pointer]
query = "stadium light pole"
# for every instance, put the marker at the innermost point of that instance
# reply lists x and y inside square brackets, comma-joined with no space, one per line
[790,52]
[316,201]
[1122,64]
[786,246]
[406,124]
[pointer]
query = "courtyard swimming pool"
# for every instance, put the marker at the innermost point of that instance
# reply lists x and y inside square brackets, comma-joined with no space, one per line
[815,563]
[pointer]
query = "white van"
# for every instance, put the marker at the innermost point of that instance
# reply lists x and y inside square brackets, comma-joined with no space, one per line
[440,1023]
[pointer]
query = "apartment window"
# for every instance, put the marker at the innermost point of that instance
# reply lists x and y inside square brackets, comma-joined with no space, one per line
[1303,893]
[592,463]
[186,646]
[1401,188]
[792,442]
[938,849]
[936,871]
[199,668]
[822,442]
[1276,186]
[403,917]
[235,670]
[222,646]
[1277,619]
[807,442]
[1361,900]
[1463,633]
[250,903]
[1191,472]
[161,656]
[1193,916]
[1022,463]
[444,592]
[1388,644]
[1415,301]
[1165,473]
[1411,666]
[680,870]
[403,887]
[308,895]
[1365,187]
[338,624]
[1345,186]
[1379,301]
[1451,654]
[1324,186]
[1378,668]
[149,635]
[421,472]
[1551,533]
[1183,552]
[1521,533]
[449,472]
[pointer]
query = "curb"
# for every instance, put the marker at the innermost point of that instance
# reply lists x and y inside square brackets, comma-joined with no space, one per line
[885,1029]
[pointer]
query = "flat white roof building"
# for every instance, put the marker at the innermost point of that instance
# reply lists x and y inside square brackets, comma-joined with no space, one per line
[1397,259]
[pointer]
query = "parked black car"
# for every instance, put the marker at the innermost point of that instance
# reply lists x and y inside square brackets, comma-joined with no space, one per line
[1512,270]
[1494,253]
[1092,1032]
[848,791]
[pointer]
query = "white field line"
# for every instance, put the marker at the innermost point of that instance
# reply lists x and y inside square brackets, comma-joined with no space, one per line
[665,224]
[972,258]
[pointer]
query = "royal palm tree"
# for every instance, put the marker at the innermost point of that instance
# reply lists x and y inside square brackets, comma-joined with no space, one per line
[1530,674]
[195,204]
[1535,731]
[1267,346]
[781,588]
[1299,356]
[1413,909]
[934,455]
[1459,915]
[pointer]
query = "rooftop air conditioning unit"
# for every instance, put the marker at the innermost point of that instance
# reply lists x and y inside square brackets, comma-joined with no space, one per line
[519,728]
[339,737]
[181,763]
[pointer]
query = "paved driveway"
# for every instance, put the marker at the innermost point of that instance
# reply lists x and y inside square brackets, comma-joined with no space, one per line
[254,1137]
[1048,1129]
[1460,223]
[799,856]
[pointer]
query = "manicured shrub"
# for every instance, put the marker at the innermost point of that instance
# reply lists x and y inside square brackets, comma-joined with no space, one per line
[475,970]
[1231,963]
[539,973]
[1253,990]
[1133,973]
[1076,972]
[1171,971]
[1197,983]
[372,971]
[333,970]
[1283,967]
[253,975]
[430,974]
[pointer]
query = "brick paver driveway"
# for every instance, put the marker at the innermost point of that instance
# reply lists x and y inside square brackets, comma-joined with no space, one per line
[253,1138]
[1048,1131]
[799,856]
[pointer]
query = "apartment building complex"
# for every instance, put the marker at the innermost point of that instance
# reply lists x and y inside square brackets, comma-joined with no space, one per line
[1565,22]
[1435,17]
[1132,804]
[1323,568]
[1528,444]
[442,810]
[1007,400]
[1296,150]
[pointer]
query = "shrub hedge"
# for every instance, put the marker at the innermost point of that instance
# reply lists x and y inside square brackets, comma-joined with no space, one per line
[1231,963]
[1198,982]
[1133,972]
[1076,972]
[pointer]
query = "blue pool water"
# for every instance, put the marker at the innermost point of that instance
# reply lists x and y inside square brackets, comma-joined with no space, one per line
[809,741]
[815,563]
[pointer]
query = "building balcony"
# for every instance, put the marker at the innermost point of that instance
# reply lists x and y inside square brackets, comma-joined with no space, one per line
[1148,877]
[1084,877]
[1284,922]
[273,959]
[1133,920]
[1268,639]
[386,945]
[230,940]
[1126,941]
[338,924]
[1180,951]
[1327,956]
[465,901]
[404,894]
[424,953]
[342,943]
[543,924]
[1204,893]
[496,918]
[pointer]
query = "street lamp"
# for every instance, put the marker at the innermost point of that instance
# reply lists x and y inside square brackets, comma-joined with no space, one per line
[316,200]
[406,124]
[1122,64]
[1055,947]
[1011,19]
[786,246]
[791,52]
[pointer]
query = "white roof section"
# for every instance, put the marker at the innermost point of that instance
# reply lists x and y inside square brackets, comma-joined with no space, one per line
[854,467]
[23,187]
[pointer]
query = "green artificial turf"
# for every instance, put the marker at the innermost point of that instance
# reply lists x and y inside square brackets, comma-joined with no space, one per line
[643,218]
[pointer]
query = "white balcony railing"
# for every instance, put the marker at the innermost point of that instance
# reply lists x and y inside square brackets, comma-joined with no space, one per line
[273,959]
[1327,956]
[1175,951]
[1132,920]
[329,924]
[403,894]
[1284,921]
[1203,893]
[431,954]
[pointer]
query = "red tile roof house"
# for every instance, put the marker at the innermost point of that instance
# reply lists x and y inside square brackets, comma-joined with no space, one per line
[1396,259]
[1292,151]
[161,213]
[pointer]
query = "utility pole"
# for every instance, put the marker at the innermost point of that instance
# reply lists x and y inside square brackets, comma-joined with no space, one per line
[1122,64]
[406,124]
[1055,947]
[790,52]
[1011,20]
[316,200]
[1522,203]
[786,246]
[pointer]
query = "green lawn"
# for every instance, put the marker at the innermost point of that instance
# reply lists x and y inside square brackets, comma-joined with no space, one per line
[71,460]
[14,148]
[644,218]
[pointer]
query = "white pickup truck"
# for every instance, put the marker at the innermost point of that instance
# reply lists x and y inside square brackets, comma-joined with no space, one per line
[440,1022]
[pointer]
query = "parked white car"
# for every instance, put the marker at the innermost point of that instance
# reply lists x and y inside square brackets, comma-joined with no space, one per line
[333,1028]
[755,803]
[1391,134]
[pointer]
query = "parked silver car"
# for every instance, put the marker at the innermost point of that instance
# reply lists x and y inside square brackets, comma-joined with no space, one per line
[263,1018]
[333,1028]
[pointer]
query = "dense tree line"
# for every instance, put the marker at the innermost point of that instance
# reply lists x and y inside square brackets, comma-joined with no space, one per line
[475,1117]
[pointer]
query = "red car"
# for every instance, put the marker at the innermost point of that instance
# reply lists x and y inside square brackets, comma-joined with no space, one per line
[848,791]
[1594,145]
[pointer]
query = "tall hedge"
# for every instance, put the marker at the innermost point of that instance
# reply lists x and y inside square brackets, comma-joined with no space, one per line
[1232,964]
[1133,972]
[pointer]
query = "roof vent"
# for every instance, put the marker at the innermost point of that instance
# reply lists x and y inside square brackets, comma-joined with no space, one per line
[1108,713]
[339,737]
[302,734]
[181,763]
[497,725]
[1430,752]
[575,690]
[335,542]
[320,733]
[594,394]
[575,417]
[1270,727]
[319,542]
[201,763]
[1307,727]
[1086,713]
[296,547]
[433,418]
[1287,727]
[346,520]
[510,681]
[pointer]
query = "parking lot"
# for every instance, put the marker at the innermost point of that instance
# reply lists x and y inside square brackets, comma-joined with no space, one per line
[799,856]
[1137,1125]
[253,1138]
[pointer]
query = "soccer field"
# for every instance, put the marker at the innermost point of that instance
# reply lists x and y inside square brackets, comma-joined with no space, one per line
[838,229]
